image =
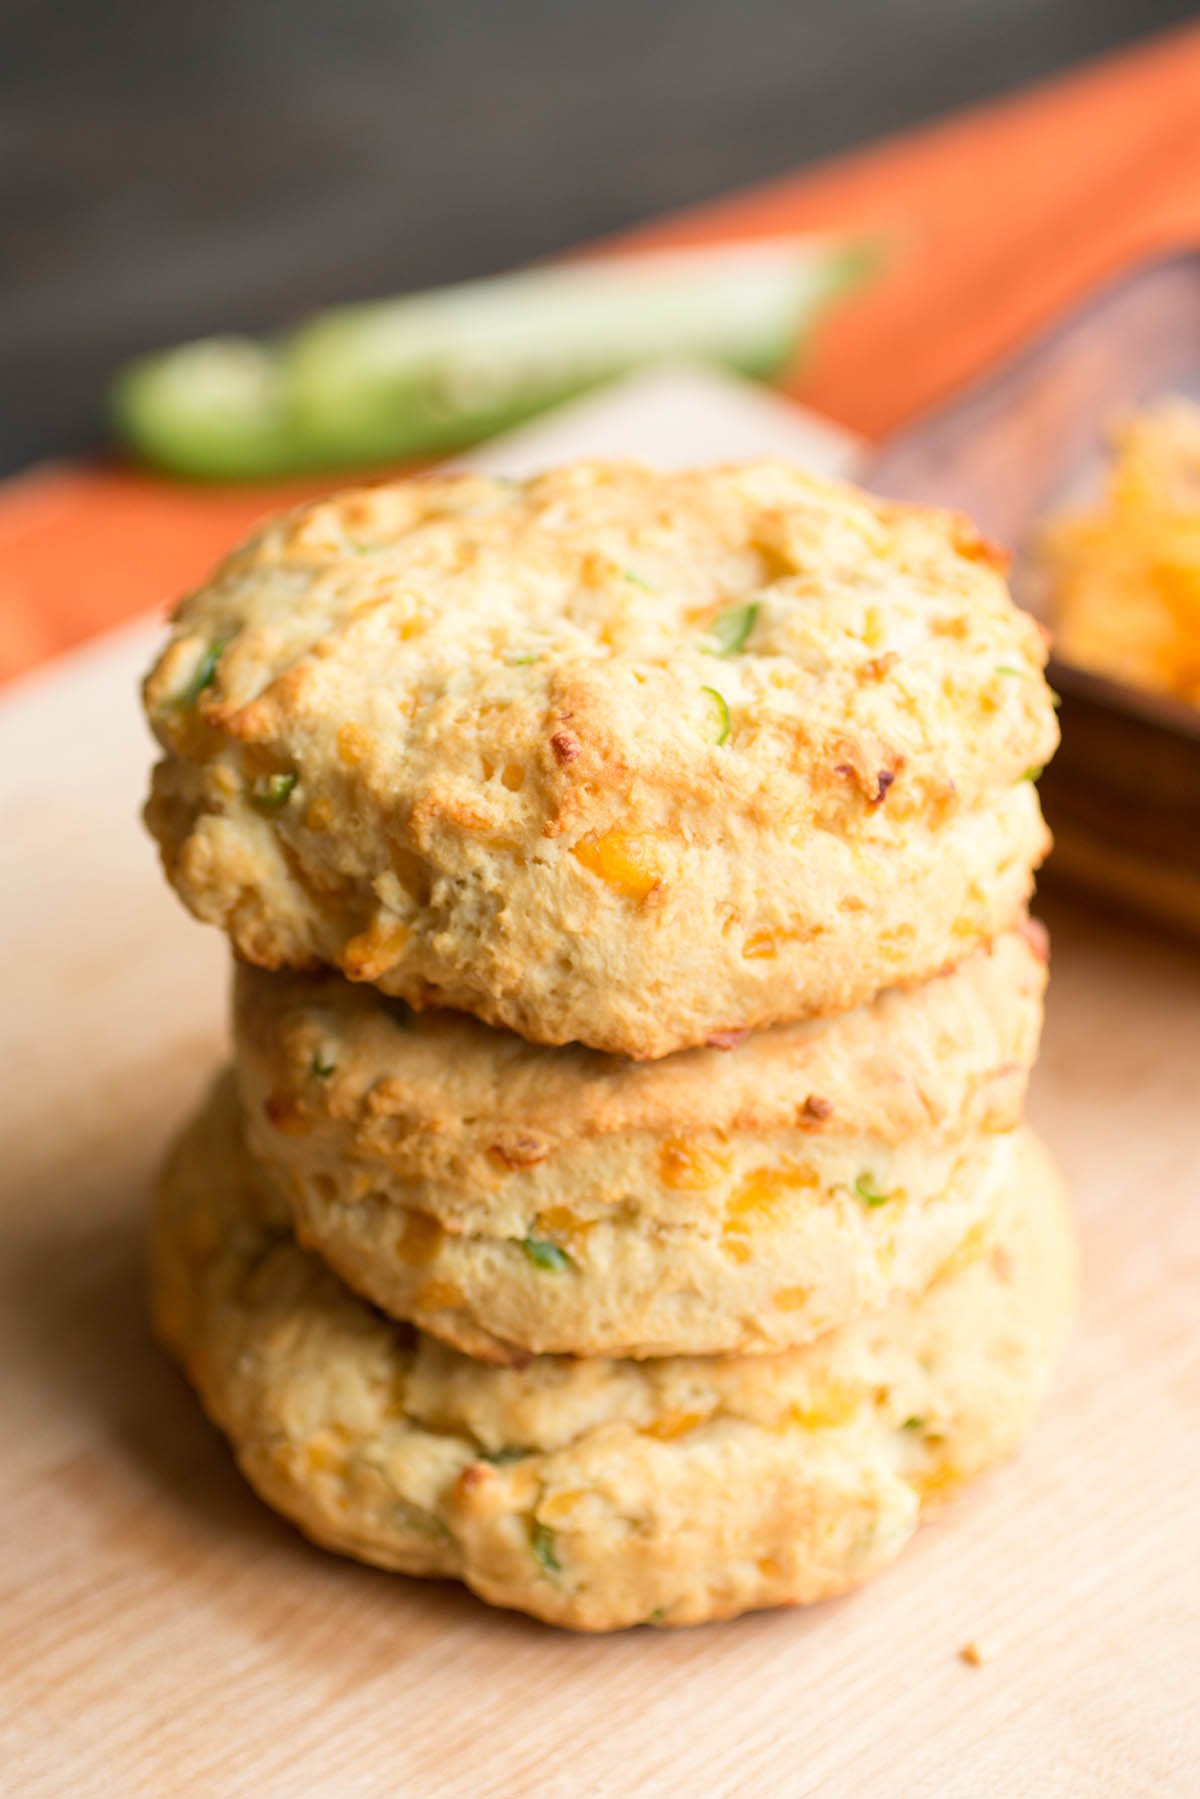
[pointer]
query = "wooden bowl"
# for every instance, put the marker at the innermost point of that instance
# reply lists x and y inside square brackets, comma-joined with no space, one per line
[1123,793]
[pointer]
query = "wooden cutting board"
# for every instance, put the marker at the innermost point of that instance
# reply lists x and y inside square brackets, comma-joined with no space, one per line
[162,1633]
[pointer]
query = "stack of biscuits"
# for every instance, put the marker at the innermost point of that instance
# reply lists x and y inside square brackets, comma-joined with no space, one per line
[620,1198]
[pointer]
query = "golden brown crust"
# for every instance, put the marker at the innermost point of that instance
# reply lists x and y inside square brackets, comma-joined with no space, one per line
[512,1199]
[443,1096]
[468,741]
[599,1494]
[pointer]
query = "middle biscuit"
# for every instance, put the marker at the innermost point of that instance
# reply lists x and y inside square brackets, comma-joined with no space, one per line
[513,1199]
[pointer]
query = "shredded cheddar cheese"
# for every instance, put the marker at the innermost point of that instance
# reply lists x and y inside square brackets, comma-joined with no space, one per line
[1124,577]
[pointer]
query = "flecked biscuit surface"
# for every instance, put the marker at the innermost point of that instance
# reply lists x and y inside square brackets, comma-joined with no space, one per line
[510,1198]
[599,1494]
[611,756]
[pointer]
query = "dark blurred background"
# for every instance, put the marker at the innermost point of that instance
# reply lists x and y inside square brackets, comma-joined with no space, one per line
[173,167]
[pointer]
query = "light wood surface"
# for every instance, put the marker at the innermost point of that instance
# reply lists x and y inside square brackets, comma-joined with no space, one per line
[162,1633]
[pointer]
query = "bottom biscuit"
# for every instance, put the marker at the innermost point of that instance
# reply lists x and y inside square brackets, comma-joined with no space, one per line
[599,1493]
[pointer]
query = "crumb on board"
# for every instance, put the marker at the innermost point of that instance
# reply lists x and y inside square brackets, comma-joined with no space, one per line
[973,1654]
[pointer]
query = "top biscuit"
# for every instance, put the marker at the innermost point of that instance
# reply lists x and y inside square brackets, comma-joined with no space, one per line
[623,757]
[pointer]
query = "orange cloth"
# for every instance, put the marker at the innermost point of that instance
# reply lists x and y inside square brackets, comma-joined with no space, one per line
[996,220]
